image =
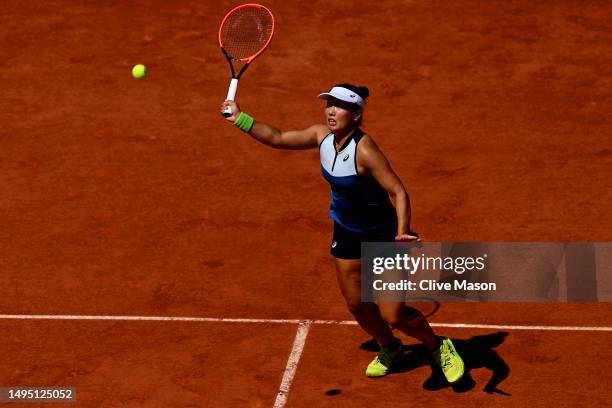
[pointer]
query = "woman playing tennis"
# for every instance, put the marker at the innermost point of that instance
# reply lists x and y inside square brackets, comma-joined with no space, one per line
[369,204]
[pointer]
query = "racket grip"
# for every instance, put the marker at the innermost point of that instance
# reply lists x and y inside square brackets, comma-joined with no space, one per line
[231,95]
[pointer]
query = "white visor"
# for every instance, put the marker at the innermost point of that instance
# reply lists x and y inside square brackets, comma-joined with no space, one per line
[343,94]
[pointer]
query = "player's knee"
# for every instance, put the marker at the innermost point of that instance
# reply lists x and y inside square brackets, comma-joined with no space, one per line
[356,307]
[402,317]
[412,315]
[393,318]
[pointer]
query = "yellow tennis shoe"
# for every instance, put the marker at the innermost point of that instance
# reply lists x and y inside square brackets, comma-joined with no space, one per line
[447,358]
[385,360]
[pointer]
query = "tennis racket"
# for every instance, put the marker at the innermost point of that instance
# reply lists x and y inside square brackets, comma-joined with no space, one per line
[245,33]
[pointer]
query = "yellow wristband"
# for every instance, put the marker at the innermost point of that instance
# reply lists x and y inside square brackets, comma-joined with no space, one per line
[244,122]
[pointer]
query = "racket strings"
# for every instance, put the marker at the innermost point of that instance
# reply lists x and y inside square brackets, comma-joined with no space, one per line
[246,32]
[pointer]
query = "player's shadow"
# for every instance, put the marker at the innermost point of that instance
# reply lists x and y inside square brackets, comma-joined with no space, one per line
[477,352]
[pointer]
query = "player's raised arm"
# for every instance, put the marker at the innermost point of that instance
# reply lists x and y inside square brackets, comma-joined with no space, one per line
[295,139]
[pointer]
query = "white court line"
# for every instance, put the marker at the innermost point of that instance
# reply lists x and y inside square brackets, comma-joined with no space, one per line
[295,321]
[518,327]
[151,318]
[292,362]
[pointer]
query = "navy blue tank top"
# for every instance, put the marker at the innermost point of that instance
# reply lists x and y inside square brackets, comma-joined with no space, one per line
[358,203]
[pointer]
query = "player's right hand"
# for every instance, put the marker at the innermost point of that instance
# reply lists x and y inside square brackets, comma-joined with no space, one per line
[407,238]
[235,110]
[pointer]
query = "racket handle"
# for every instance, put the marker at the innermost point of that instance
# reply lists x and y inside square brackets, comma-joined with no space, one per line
[231,95]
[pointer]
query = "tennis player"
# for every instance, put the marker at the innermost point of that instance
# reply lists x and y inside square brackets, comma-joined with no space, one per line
[369,203]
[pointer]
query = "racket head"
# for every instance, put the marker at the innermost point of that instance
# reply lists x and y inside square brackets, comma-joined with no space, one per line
[246,32]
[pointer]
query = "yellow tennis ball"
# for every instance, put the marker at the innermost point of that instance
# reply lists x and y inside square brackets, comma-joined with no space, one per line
[139,71]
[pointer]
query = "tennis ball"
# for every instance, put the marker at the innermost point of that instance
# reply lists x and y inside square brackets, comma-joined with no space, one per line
[139,71]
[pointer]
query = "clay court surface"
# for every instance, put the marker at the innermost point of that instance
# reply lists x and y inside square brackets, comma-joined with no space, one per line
[134,198]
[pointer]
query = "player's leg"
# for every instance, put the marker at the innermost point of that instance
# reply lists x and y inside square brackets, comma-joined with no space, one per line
[368,316]
[346,249]
[409,321]
[348,272]
[412,322]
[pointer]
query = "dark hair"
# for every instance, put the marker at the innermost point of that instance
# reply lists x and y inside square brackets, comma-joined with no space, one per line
[362,91]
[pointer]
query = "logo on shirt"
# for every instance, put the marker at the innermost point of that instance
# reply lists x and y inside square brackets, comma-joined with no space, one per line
[334,244]
[345,158]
